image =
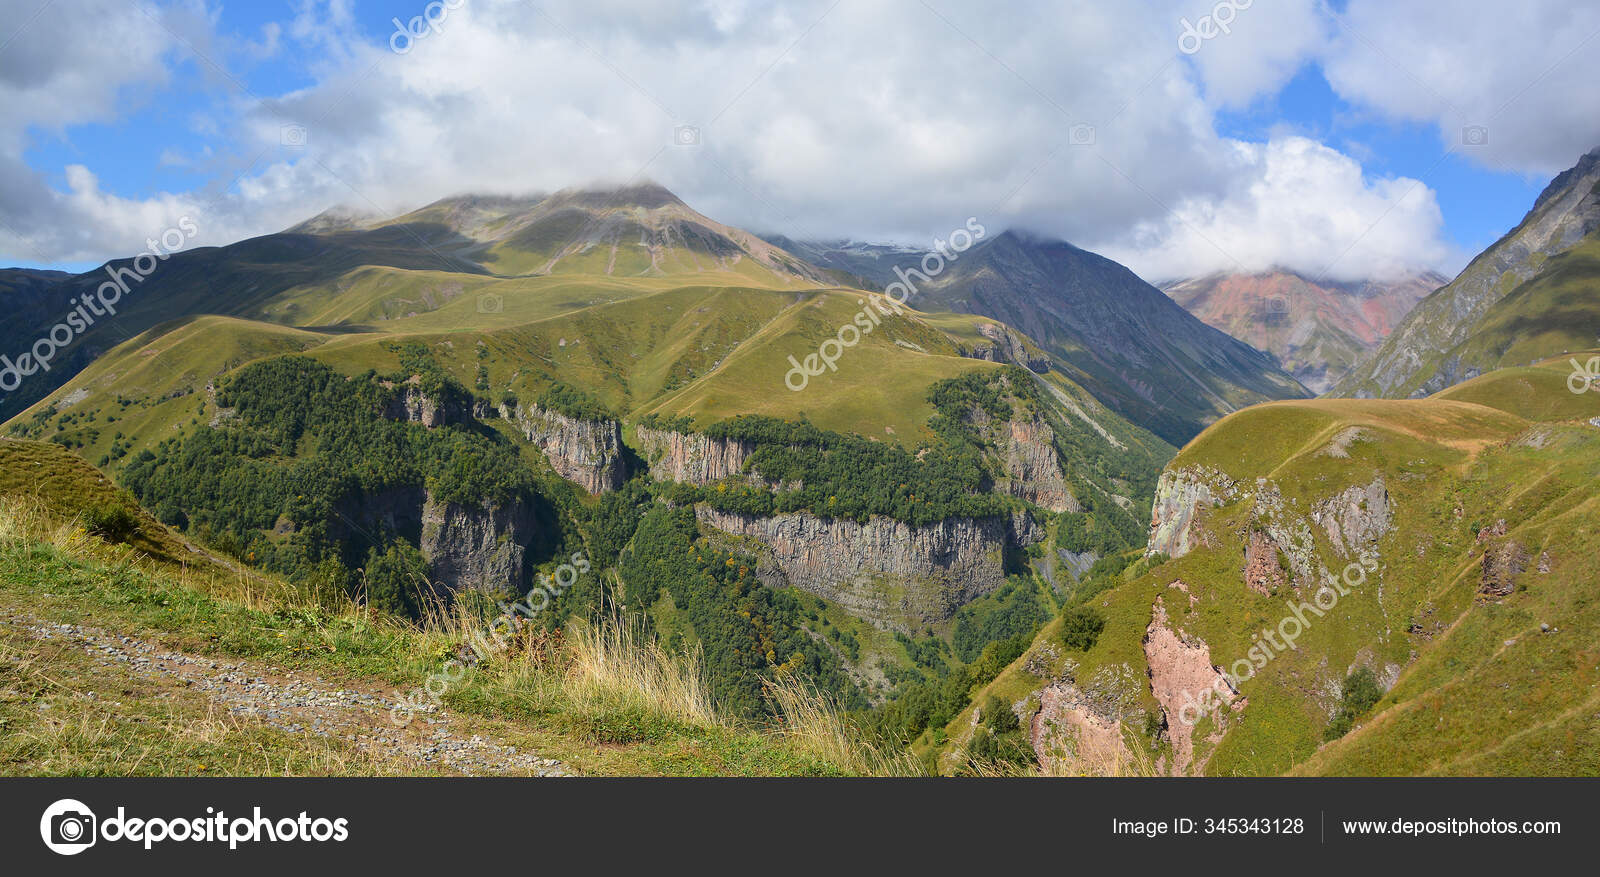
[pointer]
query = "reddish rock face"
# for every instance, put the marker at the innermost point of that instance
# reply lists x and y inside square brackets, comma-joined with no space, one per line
[1316,329]
[1262,572]
[1182,675]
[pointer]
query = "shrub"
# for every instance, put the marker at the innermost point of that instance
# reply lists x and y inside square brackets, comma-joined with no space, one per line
[111,521]
[998,716]
[1361,693]
[1080,627]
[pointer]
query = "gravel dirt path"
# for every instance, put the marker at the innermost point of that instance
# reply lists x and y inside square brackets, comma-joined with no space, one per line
[297,703]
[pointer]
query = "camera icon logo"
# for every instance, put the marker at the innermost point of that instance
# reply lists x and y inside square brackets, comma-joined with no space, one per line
[292,135]
[1081,135]
[68,827]
[491,303]
[1474,135]
[686,135]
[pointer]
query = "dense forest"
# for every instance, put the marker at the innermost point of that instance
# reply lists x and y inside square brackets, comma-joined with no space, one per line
[301,443]
[296,447]
[748,632]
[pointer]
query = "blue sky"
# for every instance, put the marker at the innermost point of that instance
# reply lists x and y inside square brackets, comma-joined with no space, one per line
[1479,203]
[874,120]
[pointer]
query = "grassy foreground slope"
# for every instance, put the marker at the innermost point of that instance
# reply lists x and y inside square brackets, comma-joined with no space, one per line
[1478,622]
[597,699]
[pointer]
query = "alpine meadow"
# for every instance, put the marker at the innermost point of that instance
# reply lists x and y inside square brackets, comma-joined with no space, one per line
[812,389]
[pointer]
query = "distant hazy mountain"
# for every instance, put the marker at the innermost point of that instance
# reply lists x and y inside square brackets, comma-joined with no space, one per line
[1317,330]
[1114,334]
[1535,293]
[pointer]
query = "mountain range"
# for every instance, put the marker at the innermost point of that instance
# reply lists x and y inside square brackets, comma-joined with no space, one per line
[1019,511]
[1112,333]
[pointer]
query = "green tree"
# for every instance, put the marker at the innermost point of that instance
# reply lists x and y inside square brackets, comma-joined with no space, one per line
[1080,627]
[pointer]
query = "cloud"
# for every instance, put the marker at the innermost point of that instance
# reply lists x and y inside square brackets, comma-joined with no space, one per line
[1298,204]
[886,119]
[1524,72]
[1264,45]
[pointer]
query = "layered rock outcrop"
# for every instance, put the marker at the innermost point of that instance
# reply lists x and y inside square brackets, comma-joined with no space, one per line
[1356,518]
[411,404]
[1030,466]
[691,457]
[896,576]
[588,452]
[467,545]
[1279,541]
[1008,346]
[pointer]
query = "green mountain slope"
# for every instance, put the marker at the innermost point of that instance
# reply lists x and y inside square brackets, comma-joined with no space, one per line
[1503,295]
[406,426]
[1431,560]
[1120,338]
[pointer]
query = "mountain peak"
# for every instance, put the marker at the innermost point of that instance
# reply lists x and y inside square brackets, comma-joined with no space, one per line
[1587,166]
[340,217]
[648,194]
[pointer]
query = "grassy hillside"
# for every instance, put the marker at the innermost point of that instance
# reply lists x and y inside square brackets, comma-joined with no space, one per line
[1555,312]
[598,700]
[1486,537]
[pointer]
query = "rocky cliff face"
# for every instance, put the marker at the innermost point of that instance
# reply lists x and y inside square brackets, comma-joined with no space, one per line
[1181,496]
[588,452]
[1279,542]
[1180,671]
[896,576]
[1030,466]
[413,405]
[480,547]
[1356,518]
[1008,345]
[692,457]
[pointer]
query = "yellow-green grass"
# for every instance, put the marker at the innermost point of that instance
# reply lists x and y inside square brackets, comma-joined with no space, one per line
[708,351]
[1465,702]
[1264,439]
[1537,392]
[1555,312]
[1492,694]
[70,490]
[162,376]
[877,388]
[543,695]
